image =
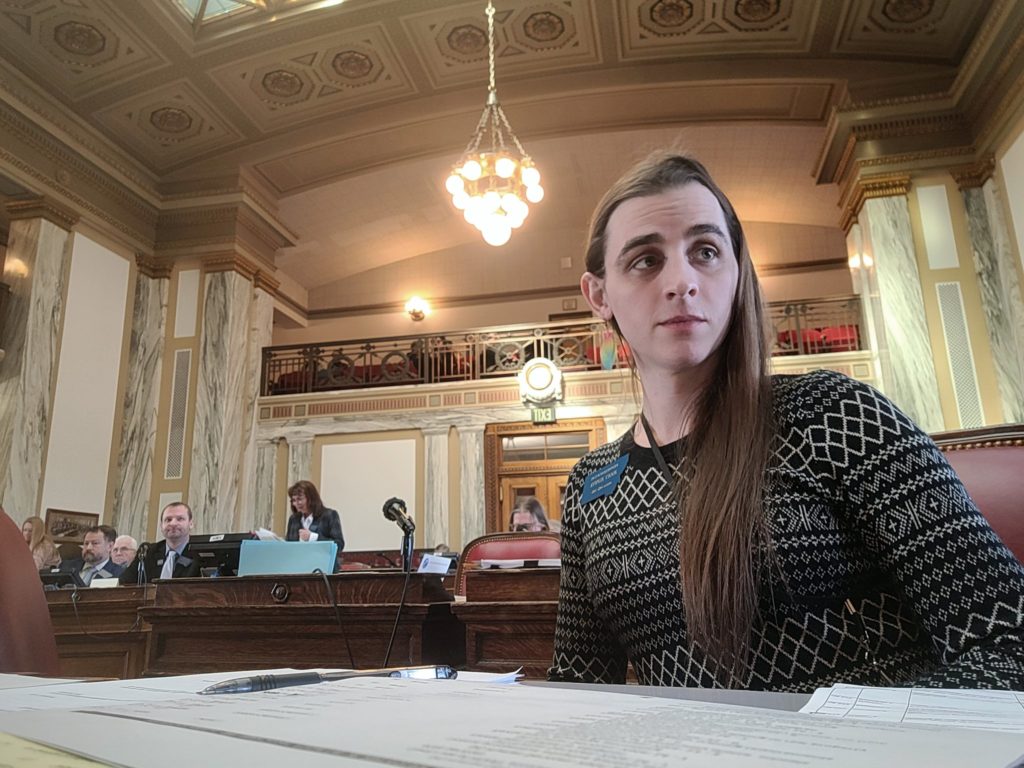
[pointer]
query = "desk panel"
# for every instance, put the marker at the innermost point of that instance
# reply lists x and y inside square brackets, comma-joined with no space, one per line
[99,632]
[202,625]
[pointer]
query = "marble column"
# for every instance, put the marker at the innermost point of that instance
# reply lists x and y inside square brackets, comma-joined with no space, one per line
[1001,295]
[471,489]
[36,269]
[137,445]
[865,285]
[264,493]
[261,323]
[300,458]
[434,519]
[912,369]
[215,467]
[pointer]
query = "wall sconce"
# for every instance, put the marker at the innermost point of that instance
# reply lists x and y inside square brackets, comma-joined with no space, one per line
[417,308]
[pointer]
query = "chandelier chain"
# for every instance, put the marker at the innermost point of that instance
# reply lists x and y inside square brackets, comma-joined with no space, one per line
[490,46]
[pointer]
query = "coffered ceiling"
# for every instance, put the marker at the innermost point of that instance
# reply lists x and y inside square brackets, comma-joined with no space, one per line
[349,113]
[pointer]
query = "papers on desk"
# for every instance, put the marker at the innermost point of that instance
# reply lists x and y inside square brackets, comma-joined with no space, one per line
[448,724]
[986,710]
[548,562]
[8,682]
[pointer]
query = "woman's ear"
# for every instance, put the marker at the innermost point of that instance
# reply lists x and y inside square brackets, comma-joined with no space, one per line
[592,287]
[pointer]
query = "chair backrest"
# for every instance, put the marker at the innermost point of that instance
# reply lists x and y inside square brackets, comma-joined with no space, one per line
[542,545]
[990,462]
[27,644]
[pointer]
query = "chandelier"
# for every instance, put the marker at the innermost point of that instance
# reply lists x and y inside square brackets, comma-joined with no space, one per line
[495,178]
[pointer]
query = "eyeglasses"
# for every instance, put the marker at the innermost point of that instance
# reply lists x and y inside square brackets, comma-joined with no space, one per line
[524,527]
[869,657]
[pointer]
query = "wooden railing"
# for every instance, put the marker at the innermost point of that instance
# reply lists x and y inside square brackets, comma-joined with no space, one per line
[801,328]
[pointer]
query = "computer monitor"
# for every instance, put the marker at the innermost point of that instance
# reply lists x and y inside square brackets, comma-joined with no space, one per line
[60,580]
[217,553]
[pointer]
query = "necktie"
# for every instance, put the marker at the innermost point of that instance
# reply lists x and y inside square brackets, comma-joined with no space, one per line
[168,569]
[87,574]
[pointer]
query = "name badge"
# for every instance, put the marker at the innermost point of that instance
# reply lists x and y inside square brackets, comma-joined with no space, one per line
[603,481]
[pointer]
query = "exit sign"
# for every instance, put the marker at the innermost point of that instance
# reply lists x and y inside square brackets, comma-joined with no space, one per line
[543,415]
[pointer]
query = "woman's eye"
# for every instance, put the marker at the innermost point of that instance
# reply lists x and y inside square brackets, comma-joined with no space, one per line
[707,253]
[644,261]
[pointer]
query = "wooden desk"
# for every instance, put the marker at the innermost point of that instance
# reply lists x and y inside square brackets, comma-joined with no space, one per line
[202,625]
[509,619]
[105,636]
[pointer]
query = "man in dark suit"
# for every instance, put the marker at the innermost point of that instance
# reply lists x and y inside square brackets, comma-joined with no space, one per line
[95,561]
[167,559]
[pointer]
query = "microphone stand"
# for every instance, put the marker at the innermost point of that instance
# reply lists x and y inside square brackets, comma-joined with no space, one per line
[407,551]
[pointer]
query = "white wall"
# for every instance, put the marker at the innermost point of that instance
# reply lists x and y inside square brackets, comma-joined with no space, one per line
[81,435]
[1012,166]
[357,478]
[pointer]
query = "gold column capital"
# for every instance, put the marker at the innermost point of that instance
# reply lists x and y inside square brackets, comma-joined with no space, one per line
[42,207]
[975,174]
[230,261]
[156,267]
[868,187]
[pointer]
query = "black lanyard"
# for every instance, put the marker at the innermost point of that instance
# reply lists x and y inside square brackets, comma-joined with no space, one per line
[662,464]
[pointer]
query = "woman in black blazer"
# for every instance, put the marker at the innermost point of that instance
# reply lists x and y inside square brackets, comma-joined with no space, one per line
[310,519]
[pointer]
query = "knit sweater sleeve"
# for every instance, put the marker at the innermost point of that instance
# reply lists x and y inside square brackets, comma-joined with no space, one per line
[914,516]
[585,651]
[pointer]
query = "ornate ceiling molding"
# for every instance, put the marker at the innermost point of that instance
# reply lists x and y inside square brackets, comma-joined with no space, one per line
[230,261]
[870,187]
[154,267]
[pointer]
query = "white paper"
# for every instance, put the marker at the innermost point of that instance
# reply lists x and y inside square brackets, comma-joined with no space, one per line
[9,682]
[988,710]
[265,534]
[434,564]
[547,562]
[447,724]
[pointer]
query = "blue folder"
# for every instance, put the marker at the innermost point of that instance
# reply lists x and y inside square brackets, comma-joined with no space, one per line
[273,557]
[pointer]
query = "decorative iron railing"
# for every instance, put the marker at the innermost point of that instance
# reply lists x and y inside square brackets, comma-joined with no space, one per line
[801,328]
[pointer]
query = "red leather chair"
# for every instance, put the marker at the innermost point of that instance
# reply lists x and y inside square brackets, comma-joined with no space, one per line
[841,338]
[808,341]
[27,644]
[542,545]
[990,462]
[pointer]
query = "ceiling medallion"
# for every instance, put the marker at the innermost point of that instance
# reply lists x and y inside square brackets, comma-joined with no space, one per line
[171,120]
[79,39]
[282,83]
[352,65]
[544,27]
[671,13]
[757,10]
[495,178]
[467,40]
[907,11]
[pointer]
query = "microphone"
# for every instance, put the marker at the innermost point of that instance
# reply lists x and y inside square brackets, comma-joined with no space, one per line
[394,509]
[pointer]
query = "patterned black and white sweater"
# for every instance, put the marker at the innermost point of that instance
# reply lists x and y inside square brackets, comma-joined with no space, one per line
[861,506]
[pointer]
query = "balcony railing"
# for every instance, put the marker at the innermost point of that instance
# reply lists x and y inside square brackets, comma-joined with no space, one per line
[801,328]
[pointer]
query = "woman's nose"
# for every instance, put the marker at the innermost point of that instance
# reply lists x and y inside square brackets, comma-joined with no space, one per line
[680,278]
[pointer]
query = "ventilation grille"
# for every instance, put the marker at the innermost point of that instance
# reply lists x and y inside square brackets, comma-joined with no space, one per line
[179,406]
[961,356]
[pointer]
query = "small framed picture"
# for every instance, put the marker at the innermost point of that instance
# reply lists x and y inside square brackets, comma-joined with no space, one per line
[67,526]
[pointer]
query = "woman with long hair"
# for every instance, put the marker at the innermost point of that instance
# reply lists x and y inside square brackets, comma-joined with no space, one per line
[310,520]
[757,531]
[40,543]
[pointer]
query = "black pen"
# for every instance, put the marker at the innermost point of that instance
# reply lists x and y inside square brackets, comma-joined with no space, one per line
[270,682]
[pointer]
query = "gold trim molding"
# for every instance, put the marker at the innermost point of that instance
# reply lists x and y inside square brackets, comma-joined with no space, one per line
[154,266]
[229,261]
[42,208]
[974,175]
[868,188]
[264,281]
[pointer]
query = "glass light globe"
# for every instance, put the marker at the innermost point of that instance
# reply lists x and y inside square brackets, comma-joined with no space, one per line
[515,220]
[530,176]
[497,232]
[535,193]
[505,167]
[472,170]
[492,200]
[509,202]
[454,184]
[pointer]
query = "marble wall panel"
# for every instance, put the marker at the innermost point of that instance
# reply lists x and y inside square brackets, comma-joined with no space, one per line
[36,269]
[264,492]
[137,445]
[216,461]
[1001,298]
[261,321]
[435,496]
[912,368]
[471,491]
[300,458]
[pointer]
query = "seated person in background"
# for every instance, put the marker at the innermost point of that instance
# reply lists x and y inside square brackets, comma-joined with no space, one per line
[310,519]
[40,543]
[758,531]
[167,559]
[528,515]
[124,549]
[95,561]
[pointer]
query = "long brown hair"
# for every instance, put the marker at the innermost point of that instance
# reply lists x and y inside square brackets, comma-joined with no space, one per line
[39,535]
[316,505]
[720,493]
